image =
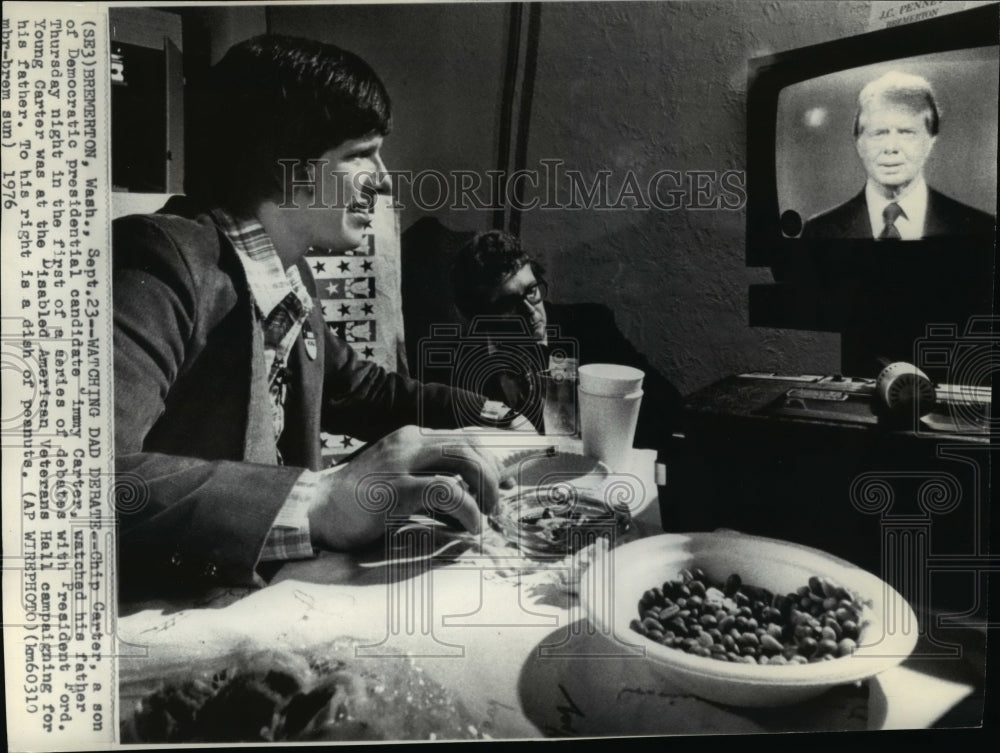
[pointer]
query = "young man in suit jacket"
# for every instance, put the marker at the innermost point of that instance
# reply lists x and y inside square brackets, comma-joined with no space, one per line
[225,372]
[895,128]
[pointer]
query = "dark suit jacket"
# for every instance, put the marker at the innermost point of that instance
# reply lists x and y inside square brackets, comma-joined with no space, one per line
[890,307]
[946,218]
[198,488]
[586,331]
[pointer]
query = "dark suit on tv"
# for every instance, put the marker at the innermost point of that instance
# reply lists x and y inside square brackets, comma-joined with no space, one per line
[893,303]
[945,218]
[194,439]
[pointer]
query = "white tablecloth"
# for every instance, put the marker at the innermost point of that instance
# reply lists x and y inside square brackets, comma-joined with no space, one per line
[507,636]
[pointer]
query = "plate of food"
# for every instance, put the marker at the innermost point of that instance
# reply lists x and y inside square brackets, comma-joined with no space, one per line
[268,696]
[559,520]
[750,621]
[552,466]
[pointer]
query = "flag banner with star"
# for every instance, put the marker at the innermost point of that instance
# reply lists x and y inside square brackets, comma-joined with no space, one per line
[355,332]
[348,287]
[359,292]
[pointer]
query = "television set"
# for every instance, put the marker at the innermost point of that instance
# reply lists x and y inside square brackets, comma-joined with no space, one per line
[803,161]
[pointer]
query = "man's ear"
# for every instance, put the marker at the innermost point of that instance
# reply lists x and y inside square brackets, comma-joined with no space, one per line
[302,182]
[304,176]
[294,183]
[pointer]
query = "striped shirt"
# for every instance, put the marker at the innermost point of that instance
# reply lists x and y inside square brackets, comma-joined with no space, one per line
[282,304]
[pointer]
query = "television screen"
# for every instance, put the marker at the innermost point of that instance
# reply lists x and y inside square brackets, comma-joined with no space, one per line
[819,197]
[804,161]
[820,166]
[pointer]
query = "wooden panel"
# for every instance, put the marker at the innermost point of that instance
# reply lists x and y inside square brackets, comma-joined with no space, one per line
[175,116]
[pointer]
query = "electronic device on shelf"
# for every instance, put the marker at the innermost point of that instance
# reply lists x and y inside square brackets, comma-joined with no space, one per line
[946,408]
[811,458]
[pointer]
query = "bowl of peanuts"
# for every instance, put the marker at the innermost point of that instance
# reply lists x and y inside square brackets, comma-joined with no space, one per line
[749,621]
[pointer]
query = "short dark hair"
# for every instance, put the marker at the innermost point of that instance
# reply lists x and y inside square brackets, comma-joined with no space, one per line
[275,98]
[904,89]
[484,262]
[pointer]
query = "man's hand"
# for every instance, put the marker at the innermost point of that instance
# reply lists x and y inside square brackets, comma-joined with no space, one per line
[409,471]
[516,390]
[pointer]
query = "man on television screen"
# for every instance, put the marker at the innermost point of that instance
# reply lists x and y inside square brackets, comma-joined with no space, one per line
[895,128]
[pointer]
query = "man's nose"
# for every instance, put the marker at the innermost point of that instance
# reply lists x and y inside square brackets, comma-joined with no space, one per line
[891,142]
[529,310]
[379,179]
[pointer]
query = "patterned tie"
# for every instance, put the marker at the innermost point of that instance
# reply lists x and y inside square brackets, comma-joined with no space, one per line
[890,214]
[276,326]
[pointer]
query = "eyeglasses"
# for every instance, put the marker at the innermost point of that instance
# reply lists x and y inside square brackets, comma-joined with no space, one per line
[533,295]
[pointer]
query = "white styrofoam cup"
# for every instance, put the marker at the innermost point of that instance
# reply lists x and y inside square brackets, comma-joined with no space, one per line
[610,379]
[607,426]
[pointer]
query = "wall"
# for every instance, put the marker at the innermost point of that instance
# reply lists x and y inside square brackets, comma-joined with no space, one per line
[649,86]
[620,86]
[229,26]
[443,66]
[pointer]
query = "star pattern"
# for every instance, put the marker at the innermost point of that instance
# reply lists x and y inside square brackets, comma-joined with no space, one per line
[353,320]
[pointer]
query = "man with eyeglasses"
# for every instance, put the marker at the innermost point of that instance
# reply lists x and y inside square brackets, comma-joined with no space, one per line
[502,293]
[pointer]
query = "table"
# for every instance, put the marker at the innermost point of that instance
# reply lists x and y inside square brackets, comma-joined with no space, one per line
[508,637]
[749,461]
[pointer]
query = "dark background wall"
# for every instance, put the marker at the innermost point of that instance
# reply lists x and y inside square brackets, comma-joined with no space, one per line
[620,86]
[650,86]
[443,66]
